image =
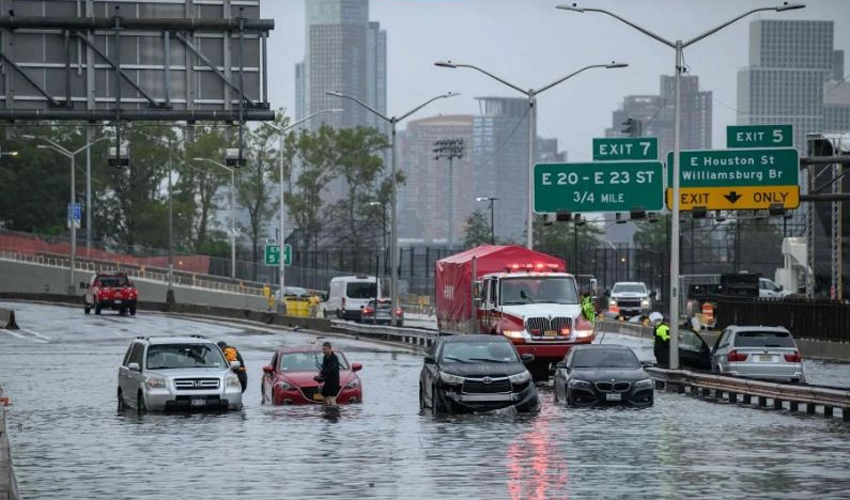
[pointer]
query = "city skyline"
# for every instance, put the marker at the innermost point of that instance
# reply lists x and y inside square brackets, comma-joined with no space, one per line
[580,110]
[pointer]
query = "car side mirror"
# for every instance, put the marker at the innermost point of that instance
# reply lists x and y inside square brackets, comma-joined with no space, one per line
[780,288]
[527,357]
[269,369]
[83,285]
[429,360]
[134,367]
[235,365]
[356,367]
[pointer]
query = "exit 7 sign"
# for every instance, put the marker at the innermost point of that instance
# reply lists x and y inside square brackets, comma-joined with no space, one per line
[625,148]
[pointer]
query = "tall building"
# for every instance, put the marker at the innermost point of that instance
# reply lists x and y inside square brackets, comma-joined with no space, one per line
[790,61]
[347,53]
[500,157]
[655,114]
[424,197]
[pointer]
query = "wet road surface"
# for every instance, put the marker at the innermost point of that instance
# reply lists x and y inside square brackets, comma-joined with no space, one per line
[69,442]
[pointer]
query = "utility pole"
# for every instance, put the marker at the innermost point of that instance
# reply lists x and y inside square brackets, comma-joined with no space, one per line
[450,149]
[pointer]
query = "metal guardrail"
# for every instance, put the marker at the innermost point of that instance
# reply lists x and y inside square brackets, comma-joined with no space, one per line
[139,272]
[734,390]
[416,337]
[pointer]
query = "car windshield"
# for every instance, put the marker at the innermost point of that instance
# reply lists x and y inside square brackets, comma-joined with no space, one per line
[114,282]
[362,289]
[764,339]
[529,290]
[629,288]
[605,358]
[307,361]
[470,352]
[180,356]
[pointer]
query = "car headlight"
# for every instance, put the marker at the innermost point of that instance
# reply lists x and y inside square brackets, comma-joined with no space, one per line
[520,378]
[580,384]
[514,334]
[232,382]
[612,303]
[644,303]
[646,383]
[355,383]
[451,379]
[285,386]
[156,383]
[583,334]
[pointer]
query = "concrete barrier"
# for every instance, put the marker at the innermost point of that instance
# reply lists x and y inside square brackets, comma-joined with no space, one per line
[8,484]
[269,318]
[7,319]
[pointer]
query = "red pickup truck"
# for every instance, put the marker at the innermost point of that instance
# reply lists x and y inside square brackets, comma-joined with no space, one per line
[110,291]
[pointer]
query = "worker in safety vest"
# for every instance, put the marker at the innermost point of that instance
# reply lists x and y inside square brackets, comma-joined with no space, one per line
[588,310]
[661,340]
[314,301]
[232,354]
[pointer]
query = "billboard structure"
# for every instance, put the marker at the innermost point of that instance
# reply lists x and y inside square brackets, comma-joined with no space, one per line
[119,61]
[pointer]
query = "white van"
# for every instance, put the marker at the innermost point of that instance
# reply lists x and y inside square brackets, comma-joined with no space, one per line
[348,295]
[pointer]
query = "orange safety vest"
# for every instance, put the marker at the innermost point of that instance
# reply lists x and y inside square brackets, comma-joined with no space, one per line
[231,354]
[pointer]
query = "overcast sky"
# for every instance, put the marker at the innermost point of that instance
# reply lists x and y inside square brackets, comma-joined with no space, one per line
[529,43]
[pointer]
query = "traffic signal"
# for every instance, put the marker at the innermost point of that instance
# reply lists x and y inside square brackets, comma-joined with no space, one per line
[632,127]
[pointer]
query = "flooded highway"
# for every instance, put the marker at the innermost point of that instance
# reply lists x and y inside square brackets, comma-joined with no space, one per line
[70,443]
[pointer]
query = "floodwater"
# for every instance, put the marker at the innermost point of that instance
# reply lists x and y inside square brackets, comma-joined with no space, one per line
[70,443]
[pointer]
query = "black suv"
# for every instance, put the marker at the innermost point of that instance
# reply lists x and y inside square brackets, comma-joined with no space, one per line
[468,373]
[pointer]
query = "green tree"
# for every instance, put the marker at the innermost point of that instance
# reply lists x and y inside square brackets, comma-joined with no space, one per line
[254,189]
[198,186]
[476,230]
[559,238]
[359,166]
[304,202]
[653,235]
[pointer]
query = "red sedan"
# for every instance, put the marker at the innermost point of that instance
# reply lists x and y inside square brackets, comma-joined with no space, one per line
[288,380]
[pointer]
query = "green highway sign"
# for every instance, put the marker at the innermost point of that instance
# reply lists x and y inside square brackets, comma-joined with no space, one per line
[271,255]
[610,186]
[759,136]
[625,148]
[736,167]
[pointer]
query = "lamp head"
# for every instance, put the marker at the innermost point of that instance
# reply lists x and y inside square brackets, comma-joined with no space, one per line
[574,8]
[28,136]
[614,65]
[335,94]
[445,64]
[199,159]
[790,6]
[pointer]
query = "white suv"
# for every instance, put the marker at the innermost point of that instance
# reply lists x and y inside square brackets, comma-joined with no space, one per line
[173,373]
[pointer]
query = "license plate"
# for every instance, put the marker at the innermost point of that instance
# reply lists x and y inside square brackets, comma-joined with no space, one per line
[199,402]
[765,358]
[550,333]
[613,397]
[117,301]
[317,396]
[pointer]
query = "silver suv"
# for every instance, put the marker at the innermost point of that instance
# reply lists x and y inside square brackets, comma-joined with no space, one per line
[173,373]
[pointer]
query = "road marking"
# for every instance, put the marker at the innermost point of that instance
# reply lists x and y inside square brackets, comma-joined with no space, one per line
[36,334]
[24,337]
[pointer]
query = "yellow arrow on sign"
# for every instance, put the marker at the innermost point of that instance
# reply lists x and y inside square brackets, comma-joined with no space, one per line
[736,198]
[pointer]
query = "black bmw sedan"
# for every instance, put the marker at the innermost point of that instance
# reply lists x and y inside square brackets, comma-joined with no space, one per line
[469,373]
[603,375]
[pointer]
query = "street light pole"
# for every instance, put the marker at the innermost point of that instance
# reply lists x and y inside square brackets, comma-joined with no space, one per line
[394,200]
[491,199]
[282,223]
[532,121]
[678,46]
[71,155]
[232,211]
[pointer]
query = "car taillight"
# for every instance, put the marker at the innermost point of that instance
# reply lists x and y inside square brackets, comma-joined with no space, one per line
[367,310]
[398,312]
[794,358]
[735,356]
[343,302]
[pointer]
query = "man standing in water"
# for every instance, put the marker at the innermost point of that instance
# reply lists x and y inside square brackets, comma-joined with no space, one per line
[329,375]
